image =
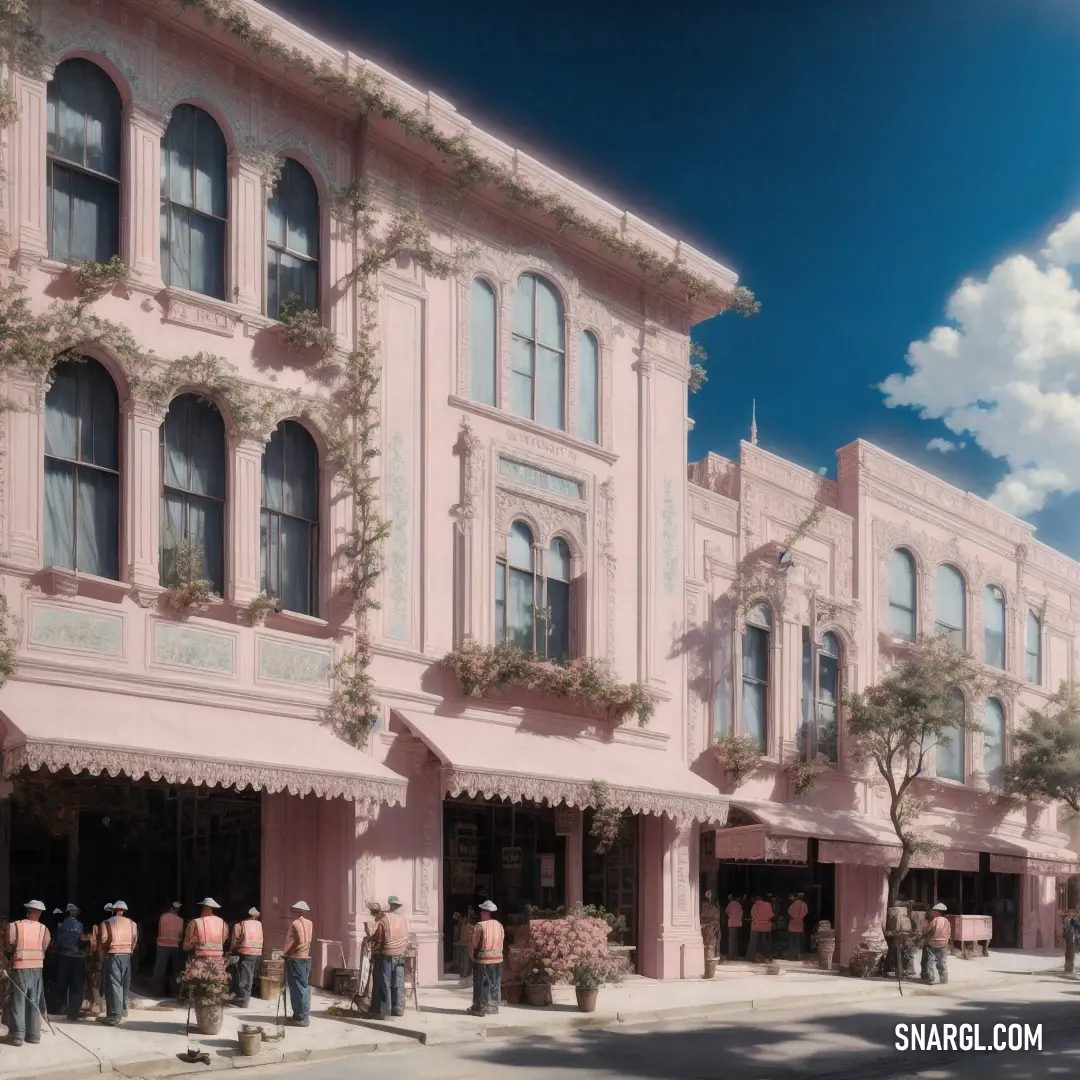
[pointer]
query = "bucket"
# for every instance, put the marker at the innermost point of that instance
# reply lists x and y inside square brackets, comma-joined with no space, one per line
[269,987]
[250,1040]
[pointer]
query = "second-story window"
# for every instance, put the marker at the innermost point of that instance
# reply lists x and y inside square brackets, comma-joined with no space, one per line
[82,470]
[901,589]
[994,627]
[290,518]
[483,353]
[538,354]
[83,179]
[515,590]
[194,202]
[950,605]
[292,242]
[1033,650]
[193,491]
[821,697]
[589,388]
[949,759]
[994,742]
[557,614]
[755,675]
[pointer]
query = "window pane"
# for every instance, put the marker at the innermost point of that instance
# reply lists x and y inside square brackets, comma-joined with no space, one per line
[902,596]
[482,342]
[207,258]
[523,306]
[828,679]
[949,604]
[59,514]
[807,678]
[301,471]
[950,759]
[994,627]
[179,146]
[753,712]
[61,412]
[299,200]
[97,550]
[295,565]
[550,386]
[194,435]
[94,218]
[558,599]
[1033,650]
[519,546]
[588,382]
[755,659]
[206,530]
[519,615]
[559,560]
[273,472]
[521,377]
[103,112]
[759,616]
[59,210]
[827,743]
[210,165]
[549,316]
[994,742]
[500,602]
[297,278]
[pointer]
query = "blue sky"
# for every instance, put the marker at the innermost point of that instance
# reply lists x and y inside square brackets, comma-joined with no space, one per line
[854,161]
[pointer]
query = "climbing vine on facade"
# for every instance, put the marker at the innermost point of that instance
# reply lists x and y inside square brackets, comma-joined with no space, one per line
[607,817]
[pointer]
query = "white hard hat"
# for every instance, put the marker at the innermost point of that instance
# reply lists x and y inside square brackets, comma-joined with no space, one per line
[940,907]
[209,902]
[300,906]
[119,906]
[487,905]
[254,912]
[34,905]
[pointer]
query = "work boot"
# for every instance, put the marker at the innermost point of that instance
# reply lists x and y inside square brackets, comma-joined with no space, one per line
[15,1040]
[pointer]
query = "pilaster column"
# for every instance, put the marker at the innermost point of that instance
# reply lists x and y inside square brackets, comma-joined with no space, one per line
[668,869]
[334,540]
[647,512]
[142,495]
[574,854]
[142,210]
[31,214]
[25,431]
[337,252]
[245,505]
[247,233]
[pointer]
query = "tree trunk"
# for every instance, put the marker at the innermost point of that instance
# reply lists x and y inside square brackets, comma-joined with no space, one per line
[897,875]
[1070,954]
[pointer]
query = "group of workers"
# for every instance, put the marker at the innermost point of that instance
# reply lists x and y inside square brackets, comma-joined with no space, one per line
[762,920]
[95,962]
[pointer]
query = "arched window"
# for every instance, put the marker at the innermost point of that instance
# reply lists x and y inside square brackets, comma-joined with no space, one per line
[994,742]
[292,242]
[902,595]
[193,493]
[83,163]
[1033,649]
[558,600]
[589,388]
[755,674]
[482,338]
[290,518]
[828,697]
[949,754]
[194,202]
[82,470]
[515,590]
[994,627]
[538,356]
[950,605]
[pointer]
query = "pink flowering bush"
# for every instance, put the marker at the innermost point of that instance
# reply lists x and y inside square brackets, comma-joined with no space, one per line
[487,669]
[579,940]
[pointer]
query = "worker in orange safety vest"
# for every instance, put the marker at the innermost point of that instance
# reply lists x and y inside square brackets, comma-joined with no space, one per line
[206,936]
[487,957]
[388,945]
[27,940]
[247,943]
[119,938]
[297,954]
[170,935]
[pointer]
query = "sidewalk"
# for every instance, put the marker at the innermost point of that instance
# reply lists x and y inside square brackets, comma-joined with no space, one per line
[148,1043]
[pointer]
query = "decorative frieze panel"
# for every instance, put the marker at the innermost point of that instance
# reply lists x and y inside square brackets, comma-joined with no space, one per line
[67,30]
[714,510]
[296,665]
[69,628]
[670,516]
[182,646]
[202,316]
[785,475]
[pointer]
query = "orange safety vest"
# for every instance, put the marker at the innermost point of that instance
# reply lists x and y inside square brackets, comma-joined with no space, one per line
[300,946]
[121,936]
[796,914]
[29,944]
[251,938]
[487,942]
[170,931]
[394,937]
[761,917]
[940,932]
[209,937]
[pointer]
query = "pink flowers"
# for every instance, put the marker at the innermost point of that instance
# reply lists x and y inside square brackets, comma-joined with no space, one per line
[560,945]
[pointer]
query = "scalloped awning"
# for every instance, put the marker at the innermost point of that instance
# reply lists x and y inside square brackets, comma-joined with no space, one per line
[497,759]
[61,727]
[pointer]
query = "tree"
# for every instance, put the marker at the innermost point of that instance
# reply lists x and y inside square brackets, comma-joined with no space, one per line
[897,724]
[1046,752]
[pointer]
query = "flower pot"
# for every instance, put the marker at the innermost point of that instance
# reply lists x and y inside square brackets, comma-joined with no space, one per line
[511,993]
[536,993]
[250,1040]
[586,999]
[208,1017]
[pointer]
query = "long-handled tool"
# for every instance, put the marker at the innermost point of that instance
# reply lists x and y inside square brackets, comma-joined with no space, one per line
[192,1055]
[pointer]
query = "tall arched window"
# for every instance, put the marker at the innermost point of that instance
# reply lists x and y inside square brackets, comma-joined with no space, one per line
[292,242]
[482,338]
[755,674]
[994,627]
[1033,649]
[193,492]
[538,356]
[515,590]
[902,595]
[290,518]
[994,742]
[558,600]
[194,202]
[949,759]
[950,606]
[589,388]
[828,697]
[83,147]
[82,470]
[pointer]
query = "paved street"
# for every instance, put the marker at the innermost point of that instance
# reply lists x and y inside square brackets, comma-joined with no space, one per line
[844,1042]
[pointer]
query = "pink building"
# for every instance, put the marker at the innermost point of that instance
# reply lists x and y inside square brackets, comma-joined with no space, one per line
[533,432]
[895,553]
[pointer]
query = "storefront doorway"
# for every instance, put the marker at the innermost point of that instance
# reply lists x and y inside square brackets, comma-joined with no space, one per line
[511,853]
[610,880]
[91,840]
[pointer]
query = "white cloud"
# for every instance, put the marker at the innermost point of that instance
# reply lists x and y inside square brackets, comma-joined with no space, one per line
[944,446]
[1005,371]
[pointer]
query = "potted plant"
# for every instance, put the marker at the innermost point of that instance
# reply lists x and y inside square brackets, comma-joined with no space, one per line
[205,984]
[587,979]
[537,986]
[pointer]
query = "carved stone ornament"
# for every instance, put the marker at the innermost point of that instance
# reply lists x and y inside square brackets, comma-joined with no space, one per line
[471,451]
[515,787]
[368,793]
[605,535]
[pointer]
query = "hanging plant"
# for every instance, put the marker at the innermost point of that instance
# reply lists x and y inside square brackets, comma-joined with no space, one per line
[607,819]
[302,328]
[96,279]
[803,774]
[188,591]
[738,755]
[262,605]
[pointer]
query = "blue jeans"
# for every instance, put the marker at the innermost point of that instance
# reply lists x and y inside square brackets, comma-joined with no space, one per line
[935,965]
[388,987]
[794,944]
[71,983]
[167,965]
[117,977]
[486,987]
[298,980]
[245,978]
[733,943]
[752,949]
[26,999]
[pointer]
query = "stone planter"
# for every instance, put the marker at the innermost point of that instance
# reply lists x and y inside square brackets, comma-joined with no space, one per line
[208,1017]
[586,999]
[710,966]
[537,994]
